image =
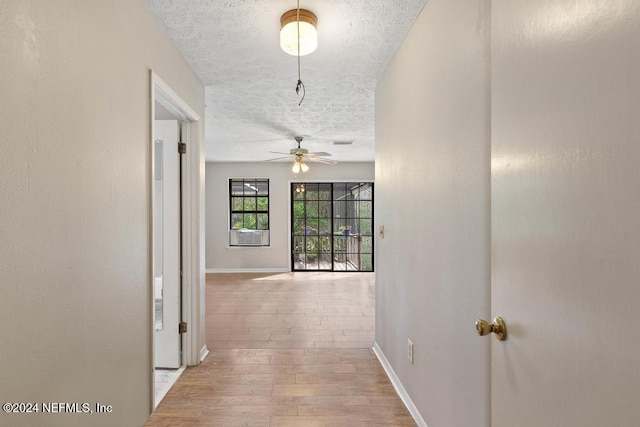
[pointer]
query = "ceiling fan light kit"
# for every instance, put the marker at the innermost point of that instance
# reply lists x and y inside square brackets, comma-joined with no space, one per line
[300,155]
[299,165]
[289,32]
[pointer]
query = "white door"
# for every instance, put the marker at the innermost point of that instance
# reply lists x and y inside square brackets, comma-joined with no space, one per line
[167,245]
[566,212]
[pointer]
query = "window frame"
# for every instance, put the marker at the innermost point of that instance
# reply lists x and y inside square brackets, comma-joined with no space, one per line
[254,193]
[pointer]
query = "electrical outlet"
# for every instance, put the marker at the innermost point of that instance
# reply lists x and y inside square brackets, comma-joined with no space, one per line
[410,351]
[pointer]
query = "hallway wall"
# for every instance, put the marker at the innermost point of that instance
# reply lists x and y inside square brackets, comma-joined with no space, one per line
[432,196]
[220,257]
[75,266]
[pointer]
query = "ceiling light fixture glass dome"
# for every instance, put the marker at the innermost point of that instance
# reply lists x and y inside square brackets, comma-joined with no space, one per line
[289,32]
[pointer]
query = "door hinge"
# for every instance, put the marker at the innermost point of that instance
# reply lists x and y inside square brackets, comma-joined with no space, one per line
[182,147]
[182,327]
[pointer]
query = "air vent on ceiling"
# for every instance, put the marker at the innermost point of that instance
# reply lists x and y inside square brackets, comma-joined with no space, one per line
[343,142]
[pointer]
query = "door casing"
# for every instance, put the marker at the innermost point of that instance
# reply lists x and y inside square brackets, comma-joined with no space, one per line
[194,349]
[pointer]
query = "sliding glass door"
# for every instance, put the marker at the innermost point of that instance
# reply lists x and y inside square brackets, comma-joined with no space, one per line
[332,226]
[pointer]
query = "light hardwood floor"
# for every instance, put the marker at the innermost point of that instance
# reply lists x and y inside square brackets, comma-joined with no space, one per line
[289,349]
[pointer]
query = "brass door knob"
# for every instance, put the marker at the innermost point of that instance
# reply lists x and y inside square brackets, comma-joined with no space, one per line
[498,327]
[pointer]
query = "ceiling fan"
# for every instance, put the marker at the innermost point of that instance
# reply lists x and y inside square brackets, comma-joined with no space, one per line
[300,155]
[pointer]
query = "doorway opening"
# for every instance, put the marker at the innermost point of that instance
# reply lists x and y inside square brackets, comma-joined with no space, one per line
[175,151]
[332,226]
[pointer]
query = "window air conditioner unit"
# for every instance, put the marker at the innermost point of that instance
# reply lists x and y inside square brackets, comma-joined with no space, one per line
[249,237]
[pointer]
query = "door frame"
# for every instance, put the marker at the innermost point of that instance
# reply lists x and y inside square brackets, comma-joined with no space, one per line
[194,348]
[292,236]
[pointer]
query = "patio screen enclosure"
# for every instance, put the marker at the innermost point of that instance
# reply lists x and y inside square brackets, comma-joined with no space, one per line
[332,226]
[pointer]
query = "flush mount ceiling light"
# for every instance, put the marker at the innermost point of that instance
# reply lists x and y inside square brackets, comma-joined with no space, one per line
[298,37]
[306,22]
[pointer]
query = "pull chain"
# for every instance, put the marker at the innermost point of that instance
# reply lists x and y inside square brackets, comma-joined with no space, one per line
[300,85]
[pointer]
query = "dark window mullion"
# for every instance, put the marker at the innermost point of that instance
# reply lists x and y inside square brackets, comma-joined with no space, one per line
[332,238]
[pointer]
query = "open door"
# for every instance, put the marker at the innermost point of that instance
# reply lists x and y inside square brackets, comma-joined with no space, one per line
[565,213]
[167,241]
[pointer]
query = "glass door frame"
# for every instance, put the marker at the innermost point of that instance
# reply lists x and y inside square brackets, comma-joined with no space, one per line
[325,230]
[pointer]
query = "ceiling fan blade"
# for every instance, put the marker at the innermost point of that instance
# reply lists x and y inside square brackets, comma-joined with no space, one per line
[277,158]
[279,152]
[321,160]
[322,153]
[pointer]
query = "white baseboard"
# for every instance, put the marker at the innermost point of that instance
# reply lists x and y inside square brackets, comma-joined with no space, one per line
[204,351]
[246,270]
[404,396]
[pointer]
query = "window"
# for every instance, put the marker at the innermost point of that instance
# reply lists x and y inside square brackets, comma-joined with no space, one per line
[249,212]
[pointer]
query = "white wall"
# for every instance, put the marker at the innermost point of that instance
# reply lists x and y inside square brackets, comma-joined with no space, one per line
[219,256]
[75,258]
[432,195]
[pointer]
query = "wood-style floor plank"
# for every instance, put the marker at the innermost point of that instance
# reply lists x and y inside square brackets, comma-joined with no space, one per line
[286,350]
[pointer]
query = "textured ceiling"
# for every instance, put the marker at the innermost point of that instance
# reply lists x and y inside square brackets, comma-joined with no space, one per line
[252,106]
